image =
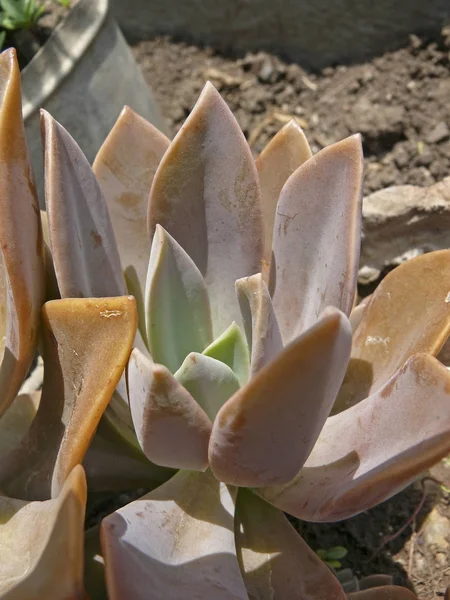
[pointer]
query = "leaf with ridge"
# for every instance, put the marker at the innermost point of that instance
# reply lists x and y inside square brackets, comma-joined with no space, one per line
[22,275]
[285,152]
[87,343]
[178,317]
[231,349]
[390,439]
[409,312]
[206,195]
[317,237]
[276,563]
[209,381]
[260,322]
[177,541]
[172,429]
[266,431]
[125,166]
[41,544]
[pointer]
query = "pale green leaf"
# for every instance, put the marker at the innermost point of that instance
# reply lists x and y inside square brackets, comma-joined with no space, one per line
[231,349]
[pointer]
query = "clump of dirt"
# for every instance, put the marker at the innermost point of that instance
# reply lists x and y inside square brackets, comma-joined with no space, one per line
[399,102]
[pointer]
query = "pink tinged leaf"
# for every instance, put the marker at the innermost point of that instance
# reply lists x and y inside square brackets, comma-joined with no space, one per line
[206,195]
[125,166]
[178,541]
[22,274]
[260,323]
[276,563]
[390,438]
[178,316]
[285,152]
[172,429]
[87,343]
[265,432]
[386,592]
[209,381]
[83,246]
[41,544]
[317,236]
[409,312]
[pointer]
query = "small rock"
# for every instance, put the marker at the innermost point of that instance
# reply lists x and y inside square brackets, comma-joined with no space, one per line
[436,530]
[439,134]
[367,275]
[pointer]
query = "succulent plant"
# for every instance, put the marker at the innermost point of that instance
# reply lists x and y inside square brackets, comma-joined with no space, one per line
[245,394]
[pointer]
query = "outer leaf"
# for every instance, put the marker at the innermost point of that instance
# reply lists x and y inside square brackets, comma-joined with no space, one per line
[231,349]
[260,322]
[172,429]
[266,431]
[276,563]
[16,421]
[285,152]
[211,382]
[177,541]
[386,592]
[86,345]
[41,544]
[409,312]
[316,237]
[206,195]
[125,166]
[178,317]
[390,438]
[22,278]
[83,246]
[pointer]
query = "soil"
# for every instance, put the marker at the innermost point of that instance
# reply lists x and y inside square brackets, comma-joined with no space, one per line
[400,102]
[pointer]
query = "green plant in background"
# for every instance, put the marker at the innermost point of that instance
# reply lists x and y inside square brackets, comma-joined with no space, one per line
[254,385]
[2,38]
[333,556]
[20,14]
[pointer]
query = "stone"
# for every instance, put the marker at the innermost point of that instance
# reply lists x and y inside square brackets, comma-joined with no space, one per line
[436,530]
[439,134]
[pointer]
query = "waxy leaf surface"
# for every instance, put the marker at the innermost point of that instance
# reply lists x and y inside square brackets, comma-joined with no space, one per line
[231,349]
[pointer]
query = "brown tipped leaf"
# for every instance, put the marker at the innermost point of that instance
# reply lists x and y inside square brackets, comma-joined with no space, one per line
[206,195]
[371,451]
[86,346]
[172,429]
[285,152]
[317,236]
[177,541]
[260,323]
[125,166]
[22,276]
[41,544]
[266,431]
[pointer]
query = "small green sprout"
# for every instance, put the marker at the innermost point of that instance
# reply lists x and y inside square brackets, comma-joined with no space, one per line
[332,556]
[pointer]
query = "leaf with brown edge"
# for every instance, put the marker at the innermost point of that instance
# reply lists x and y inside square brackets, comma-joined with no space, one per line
[87,342]
[22,277]
[172,429]
[390,439]
[178,537]
[285,152]
[266,431]
[317,237]
[386,592]
[409,312]
[125,166]
[276,563]
[41,544]
[260,322]
[83,245]
[206,195]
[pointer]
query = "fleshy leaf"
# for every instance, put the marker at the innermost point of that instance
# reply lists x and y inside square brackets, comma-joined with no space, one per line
[83,246]
[390,438]
[16,421]
[386,592]
[172,429]
[125,166]
[178,317]
[317,236]
[276,563]
[260,322]
[209,381]
[409,312]
[176,541]
[231,349]
[285,152]
[86,346]
[206,195]
[266,431]
[22,275]
[41,544]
